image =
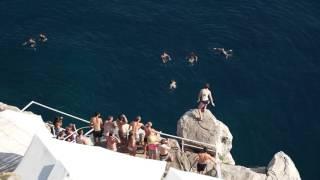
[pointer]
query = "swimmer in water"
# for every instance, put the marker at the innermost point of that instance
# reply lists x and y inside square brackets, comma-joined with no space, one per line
[173,85]
[31,43]
[42,38]
[192,58]
[226,53]
[165,57]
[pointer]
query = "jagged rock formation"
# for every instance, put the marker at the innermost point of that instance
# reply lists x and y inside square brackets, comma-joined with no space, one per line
[280,167]
[212,131]
[5,106]
[208,130]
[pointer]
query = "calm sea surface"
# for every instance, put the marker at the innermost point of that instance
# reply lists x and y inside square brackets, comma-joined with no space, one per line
[104,56]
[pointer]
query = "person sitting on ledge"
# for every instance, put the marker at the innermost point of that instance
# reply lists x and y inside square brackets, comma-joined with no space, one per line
[81,139]
[57,126]
[204,98]
[61,135]
[164,150]
[203,159]
[112,142]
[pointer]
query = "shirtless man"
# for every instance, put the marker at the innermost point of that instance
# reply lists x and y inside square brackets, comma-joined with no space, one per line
[96,123]
[164,150]
[31,43]
[173,85]
[135,127]
[81,139]
[132,145]
[112,142]
[152,145]
[203,159]
[192,58]
[204,98]
[226,53]
[148,131]
[108,126]
[122,123]
[42,37]
[165,57]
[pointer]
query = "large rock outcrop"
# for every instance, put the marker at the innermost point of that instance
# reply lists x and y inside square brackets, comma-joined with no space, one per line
[5,107]
[208,130]
[281,167]
[216,134]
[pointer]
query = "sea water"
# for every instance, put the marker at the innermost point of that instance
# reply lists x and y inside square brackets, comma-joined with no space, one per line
[105,56]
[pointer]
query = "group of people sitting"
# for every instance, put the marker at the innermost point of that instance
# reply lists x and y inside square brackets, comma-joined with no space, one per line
[69,133]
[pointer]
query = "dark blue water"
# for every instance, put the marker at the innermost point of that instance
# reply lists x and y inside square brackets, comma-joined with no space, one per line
[104,56]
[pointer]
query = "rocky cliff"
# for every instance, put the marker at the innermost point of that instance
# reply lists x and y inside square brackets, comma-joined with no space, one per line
[209,130]
[5,106]
[214,132]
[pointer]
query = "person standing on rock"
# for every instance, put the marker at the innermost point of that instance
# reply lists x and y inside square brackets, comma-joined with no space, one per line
[203,159]
[204,98]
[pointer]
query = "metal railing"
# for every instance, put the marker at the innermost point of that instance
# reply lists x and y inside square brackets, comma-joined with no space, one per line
[53,109]
[183,140]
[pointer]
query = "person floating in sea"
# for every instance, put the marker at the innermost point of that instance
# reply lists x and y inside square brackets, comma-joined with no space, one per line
[97,124]
[173,85]
[30,43]
[204,98]
[224,52]
[203,159]
[192,58]
[42,38]
[165,57]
